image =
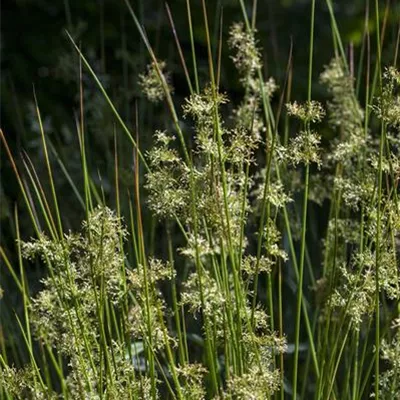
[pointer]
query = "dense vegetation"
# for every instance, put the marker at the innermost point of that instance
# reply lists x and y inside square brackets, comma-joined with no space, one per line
[240,226]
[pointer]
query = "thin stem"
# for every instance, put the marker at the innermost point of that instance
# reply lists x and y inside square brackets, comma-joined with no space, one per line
[304,221]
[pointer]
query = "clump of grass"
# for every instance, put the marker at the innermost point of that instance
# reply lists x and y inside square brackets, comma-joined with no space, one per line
[207,320]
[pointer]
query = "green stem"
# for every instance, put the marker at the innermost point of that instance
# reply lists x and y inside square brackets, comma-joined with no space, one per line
[300,284]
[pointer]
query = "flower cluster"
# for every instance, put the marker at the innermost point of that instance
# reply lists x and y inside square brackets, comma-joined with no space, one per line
[247,60]
[145,318]
[388,104]
[389,382]
[247,57]
[86,274]
[154,82]
[310,111]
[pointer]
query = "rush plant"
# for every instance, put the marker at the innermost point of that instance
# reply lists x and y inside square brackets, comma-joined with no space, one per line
[242,302]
